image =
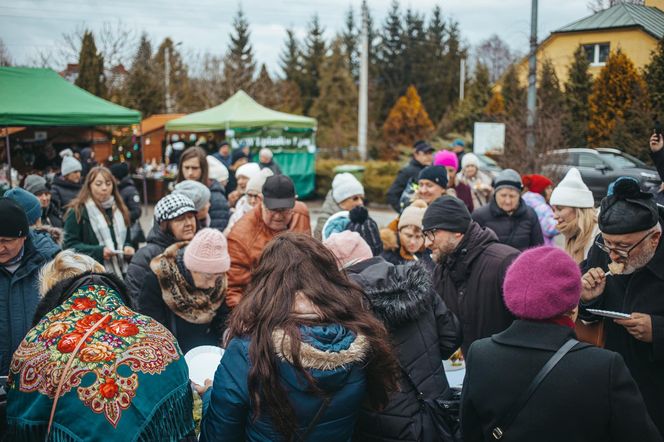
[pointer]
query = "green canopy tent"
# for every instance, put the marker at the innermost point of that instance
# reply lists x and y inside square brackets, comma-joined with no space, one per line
[291,137]
[40,97]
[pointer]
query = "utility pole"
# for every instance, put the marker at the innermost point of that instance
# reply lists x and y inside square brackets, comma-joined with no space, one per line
[532,82]
[462,79]
[363,112]
[167,78]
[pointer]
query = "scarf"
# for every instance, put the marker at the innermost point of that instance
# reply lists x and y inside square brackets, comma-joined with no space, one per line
[100,227]
[194,305]
[13,264]
[128,381]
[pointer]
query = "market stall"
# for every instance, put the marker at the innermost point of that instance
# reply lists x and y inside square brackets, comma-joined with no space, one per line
[245,122]
[34,97]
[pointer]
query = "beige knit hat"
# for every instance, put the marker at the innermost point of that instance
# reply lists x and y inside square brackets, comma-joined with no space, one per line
[255,183]
[413,214]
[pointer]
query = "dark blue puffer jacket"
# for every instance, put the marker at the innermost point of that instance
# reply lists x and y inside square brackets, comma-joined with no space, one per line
[219,212]
[229,415]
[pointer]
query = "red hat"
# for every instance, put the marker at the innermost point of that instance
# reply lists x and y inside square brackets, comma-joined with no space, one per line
[536,183]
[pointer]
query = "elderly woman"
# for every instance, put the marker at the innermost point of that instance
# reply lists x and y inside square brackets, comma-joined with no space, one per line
[478,181]
[186,289]
[105,372]
[97,222]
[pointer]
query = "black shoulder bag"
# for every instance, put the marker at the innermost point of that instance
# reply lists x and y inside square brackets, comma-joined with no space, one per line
[501,425]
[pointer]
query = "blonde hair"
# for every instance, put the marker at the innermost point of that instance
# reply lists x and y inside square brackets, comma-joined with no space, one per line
[65,265]
[577,243]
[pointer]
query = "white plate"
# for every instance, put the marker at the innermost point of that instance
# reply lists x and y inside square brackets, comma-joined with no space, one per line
[203,362]
[609,314]
[447,365]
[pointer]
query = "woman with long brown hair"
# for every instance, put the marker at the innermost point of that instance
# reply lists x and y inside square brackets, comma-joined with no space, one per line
[97,222]
[193,165]
[303,352]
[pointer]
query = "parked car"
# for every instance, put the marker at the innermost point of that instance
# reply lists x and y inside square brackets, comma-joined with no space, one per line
[599,167]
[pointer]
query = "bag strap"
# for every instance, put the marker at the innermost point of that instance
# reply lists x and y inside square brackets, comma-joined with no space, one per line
[314,421]
[498,430]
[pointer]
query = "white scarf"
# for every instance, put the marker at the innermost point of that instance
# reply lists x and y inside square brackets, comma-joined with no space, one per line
[99,225]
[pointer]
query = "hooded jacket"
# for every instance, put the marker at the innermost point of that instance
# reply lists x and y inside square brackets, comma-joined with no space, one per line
[63,191]
[520,230]
[470,281]
[329,208]
[412,170]
[19,294]
[423,332]
[139,267]
[131,197]
[332,354]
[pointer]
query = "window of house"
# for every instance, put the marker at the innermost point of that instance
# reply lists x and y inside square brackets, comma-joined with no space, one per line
[597,53]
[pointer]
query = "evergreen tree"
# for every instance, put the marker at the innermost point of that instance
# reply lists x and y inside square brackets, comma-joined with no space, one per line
[619,106]
[290,60]
[142,88]
[314,56]
[351,43]
[577,91]
[179,86]
[415,52]
[654,76]
[239,64]
[434,86]
[406,122]
[336,106]
[288,97]
[390,60]
[263,89]
[477,104]
[550,99]
[90,67]
[514,94]
[495,108]
[455,52]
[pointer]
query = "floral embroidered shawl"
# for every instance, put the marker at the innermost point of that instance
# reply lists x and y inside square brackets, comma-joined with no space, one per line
[128,381]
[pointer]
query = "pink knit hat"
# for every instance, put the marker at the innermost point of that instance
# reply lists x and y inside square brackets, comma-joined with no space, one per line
[348,247]
[542,283]
[446,158]
[207,253]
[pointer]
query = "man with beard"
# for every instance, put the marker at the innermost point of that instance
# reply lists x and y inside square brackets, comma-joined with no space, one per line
[470,268]
[630,246]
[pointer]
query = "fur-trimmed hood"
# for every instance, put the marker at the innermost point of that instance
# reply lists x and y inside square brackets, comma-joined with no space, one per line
[397,293]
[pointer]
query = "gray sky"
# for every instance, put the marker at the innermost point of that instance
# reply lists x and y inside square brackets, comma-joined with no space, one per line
[29,26]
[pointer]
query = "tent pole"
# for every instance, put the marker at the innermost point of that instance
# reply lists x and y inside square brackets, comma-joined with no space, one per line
[9,158]
[145,183]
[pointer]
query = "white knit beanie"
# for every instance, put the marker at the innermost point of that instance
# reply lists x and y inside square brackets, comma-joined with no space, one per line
[70,165]
[413,214]
[469,159]
[572,192]
[216,169]
[345,185]
[255,183]
[249,170]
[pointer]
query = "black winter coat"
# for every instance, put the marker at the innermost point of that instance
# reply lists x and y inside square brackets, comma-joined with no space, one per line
[63,191]
[131,197]
[642,292]
[470,281]
[520,230]
[589,396]
[51,216]
[139,267]
[412,170]
[151,303]
[220,211]
[658,159]
[394,257]
[423,332]
[274,167]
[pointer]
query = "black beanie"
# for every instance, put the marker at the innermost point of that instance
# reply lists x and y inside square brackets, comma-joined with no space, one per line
[238,154]
[120,170]
[437,174]
[627,209]
[14,220]
[447,213]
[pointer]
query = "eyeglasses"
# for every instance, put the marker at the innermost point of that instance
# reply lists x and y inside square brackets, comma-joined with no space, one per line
[622,253]
[430,235]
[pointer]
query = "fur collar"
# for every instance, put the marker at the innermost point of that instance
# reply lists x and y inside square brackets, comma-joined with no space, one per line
[313,358]
[397,293]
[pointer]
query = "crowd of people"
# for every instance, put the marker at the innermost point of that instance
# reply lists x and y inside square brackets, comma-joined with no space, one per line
[336,332]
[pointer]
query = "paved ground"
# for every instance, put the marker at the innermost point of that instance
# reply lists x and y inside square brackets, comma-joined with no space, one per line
[383,215]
